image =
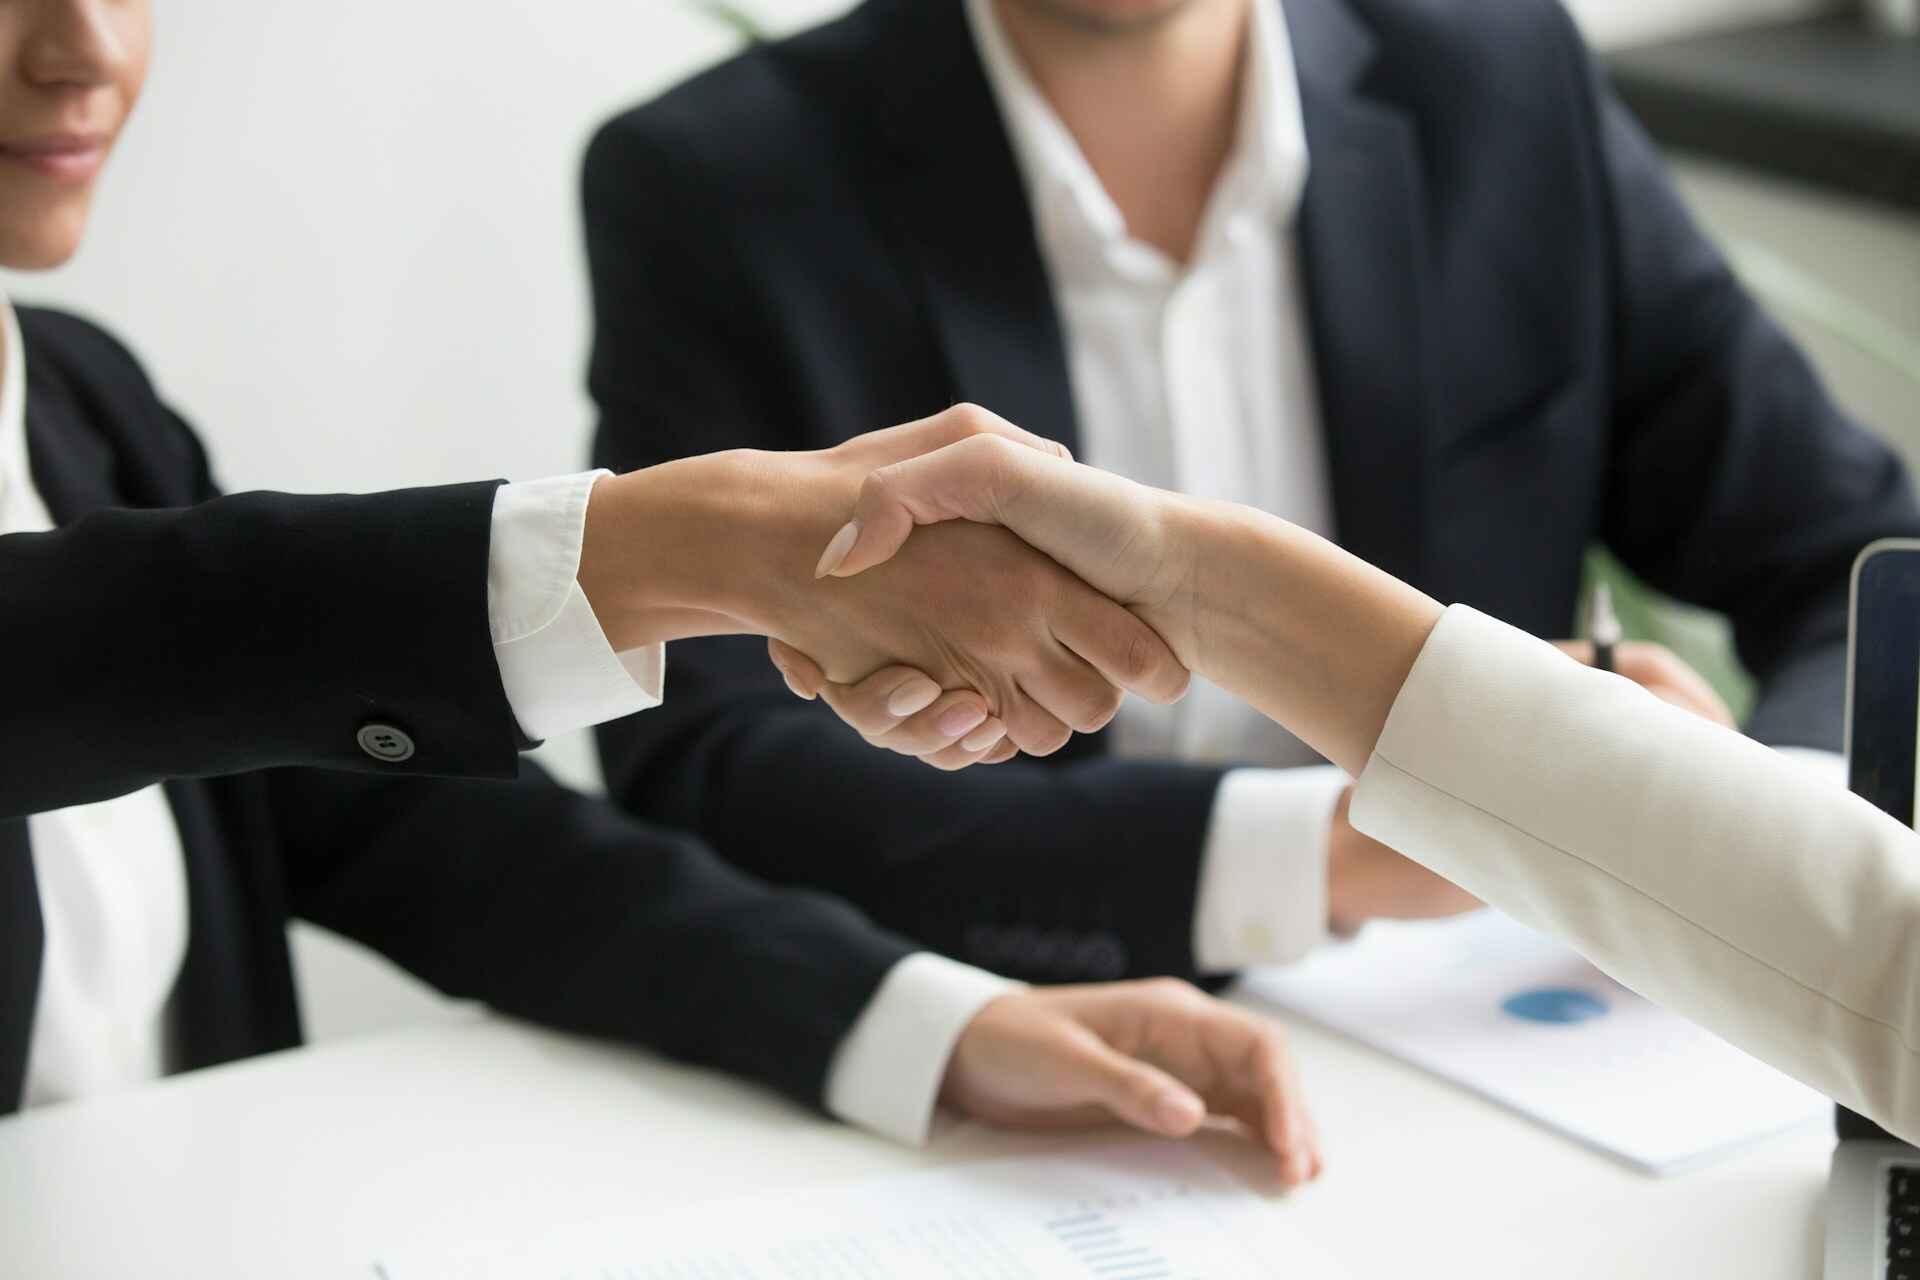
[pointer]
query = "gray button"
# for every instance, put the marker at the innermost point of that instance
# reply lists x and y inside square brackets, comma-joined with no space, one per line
[384,742]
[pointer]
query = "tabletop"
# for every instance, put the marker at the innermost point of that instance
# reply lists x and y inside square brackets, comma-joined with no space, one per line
[319,1161]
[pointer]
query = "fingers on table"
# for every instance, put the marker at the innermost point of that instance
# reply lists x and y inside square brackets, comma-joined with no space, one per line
[1264,1093]
[1246,1071]
[1139,1093]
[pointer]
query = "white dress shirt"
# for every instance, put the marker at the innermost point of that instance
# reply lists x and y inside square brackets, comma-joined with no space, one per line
[1200,378]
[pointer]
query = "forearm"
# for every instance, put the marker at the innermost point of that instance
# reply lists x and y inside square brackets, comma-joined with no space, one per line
[1313,637]
[553,907]
[1051,872]
[1698,867]
[712,545]
[245,632]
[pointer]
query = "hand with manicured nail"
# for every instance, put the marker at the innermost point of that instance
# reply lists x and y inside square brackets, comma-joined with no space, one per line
[729,543]
[903,710]
[1157,1055]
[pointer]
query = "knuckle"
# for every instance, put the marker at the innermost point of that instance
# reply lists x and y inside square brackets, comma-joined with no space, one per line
[1140,659]
[1173,990]
[970,419]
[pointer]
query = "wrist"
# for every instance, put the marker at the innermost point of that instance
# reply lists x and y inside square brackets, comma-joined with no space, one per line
[706,545]
[1177,600]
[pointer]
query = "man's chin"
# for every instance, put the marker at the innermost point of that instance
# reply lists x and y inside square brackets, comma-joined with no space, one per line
[1105,17]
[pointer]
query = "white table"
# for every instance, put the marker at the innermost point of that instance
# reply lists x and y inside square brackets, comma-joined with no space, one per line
[316,1161]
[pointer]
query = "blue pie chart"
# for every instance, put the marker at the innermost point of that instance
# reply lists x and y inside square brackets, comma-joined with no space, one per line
[1554,1005]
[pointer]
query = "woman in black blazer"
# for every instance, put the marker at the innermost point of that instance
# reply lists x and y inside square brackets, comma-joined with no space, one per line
[312,684]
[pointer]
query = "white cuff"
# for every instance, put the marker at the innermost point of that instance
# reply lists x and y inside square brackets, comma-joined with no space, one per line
[1263,874]
[559,672]
[886,1074]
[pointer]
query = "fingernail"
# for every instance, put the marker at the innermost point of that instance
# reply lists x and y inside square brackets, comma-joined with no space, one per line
[1297,1166]
[914,695]
[795,689]
[955,721]
[981,739]
[836,552]
[1178,1112]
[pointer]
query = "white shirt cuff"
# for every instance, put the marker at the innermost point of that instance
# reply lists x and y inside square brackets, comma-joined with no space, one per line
[1263,873]
[886,1074]
[556,665]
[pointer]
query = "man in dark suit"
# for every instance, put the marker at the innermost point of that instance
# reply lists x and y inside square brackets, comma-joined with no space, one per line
[1403,272]
[225,711]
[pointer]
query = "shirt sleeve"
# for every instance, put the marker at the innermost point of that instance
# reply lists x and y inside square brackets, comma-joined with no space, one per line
[556,665]
[1707,872]
[887,1073]
[1263,869]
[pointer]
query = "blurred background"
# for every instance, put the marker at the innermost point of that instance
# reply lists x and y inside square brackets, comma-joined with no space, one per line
[345,239]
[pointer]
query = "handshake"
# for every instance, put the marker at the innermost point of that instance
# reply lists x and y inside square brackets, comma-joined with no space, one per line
[878,574]
[964,643]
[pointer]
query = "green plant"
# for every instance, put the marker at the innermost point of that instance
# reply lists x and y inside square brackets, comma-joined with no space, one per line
[748,27]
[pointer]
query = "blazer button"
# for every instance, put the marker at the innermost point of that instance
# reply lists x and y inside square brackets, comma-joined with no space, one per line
[385,743]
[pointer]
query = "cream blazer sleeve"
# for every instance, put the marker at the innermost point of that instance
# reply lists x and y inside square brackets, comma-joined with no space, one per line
[1694,865]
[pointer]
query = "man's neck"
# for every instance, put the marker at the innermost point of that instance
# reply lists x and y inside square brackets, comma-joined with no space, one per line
[1153,107]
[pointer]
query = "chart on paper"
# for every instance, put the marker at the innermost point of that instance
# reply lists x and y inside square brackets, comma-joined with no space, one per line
[1129,1211]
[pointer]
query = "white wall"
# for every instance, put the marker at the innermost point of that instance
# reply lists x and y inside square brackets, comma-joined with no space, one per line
[344,237]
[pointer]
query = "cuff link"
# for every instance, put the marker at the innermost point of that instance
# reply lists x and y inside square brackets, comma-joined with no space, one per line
[385,743]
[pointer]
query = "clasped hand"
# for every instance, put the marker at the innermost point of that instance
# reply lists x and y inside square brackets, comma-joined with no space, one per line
[727,543]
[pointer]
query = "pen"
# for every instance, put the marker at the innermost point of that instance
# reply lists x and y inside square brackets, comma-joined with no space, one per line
[1603,626]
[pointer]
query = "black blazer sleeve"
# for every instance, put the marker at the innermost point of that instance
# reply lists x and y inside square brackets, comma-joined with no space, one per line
[1708,389]
[240,632]
[556,907]
[1073,868]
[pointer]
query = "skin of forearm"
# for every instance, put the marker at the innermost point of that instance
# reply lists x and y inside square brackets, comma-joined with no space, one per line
[1311,636]
[712,545]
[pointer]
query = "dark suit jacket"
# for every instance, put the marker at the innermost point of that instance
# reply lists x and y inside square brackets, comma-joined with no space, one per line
[1524,347]
[231,647]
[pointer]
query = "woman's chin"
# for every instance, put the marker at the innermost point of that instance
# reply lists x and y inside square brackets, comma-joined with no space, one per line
[40,244]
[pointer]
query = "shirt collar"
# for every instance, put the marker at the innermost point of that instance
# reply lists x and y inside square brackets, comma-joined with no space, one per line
[1265,175]
[14,474]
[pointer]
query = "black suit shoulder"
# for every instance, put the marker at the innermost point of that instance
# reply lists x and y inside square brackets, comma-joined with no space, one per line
[753,107]
[84,377]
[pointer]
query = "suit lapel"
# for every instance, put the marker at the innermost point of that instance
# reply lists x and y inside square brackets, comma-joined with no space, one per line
[20,943]
[958,214]
[1364,258]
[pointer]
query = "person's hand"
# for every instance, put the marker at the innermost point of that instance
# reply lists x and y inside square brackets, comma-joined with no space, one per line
[909,711]
[903,710]
[1366,880]
[1661,672]
[1156,1054]
[1306,633]
[728,542]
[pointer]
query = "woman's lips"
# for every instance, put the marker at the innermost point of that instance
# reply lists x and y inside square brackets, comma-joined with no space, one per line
[67,157]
